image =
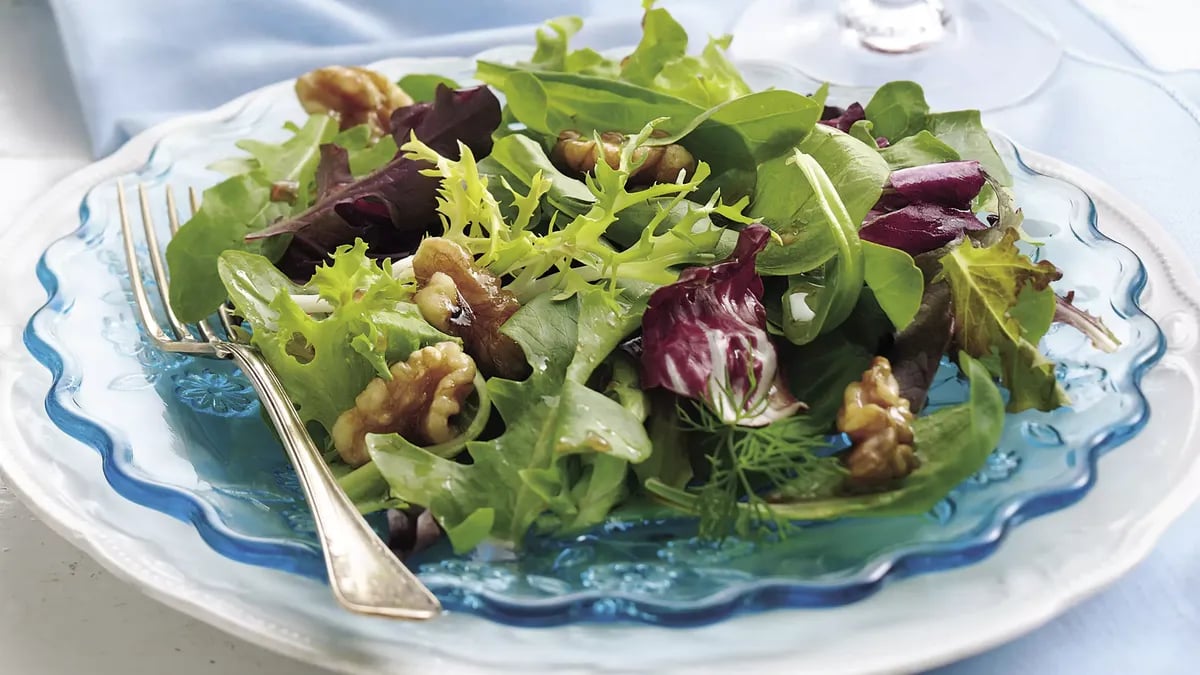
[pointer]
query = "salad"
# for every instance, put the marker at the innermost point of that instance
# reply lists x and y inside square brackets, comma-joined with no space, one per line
[585,288]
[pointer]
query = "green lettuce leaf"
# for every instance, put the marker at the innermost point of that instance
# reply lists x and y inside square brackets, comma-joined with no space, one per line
[236,207]
[1003,304]
[565,446]
[325,362]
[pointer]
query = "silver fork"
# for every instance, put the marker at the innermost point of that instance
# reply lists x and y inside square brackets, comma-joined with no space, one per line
[366,577]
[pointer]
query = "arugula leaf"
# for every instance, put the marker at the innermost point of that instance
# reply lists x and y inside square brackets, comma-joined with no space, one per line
[918,150]
[550,418]
[791,208]
[990,288]
[895,280]
[324,363]
[669,463]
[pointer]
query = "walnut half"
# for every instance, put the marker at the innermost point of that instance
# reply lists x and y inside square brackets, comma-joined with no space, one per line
[353,95]
[459,298]
[879,422]
[425,392]
[576,154]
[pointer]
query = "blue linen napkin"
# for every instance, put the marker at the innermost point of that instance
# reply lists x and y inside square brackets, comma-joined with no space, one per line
[136,63]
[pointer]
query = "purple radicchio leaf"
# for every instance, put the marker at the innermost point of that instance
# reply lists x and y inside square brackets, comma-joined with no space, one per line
[925,207]
[1066,312]
[394,206]
[704,337]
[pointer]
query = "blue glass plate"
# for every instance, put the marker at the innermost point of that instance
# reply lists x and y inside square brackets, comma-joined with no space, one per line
[185,437]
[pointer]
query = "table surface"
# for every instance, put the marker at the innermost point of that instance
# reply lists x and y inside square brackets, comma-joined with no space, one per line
[52,594]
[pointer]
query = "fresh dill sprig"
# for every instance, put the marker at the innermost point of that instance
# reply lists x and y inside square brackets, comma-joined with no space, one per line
[748,462]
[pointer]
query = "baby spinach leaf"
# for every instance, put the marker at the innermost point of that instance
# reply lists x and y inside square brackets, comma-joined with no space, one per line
[898,110]
[421,87]
[816,303]
[963,130]
[918,150]
[895,280]
[790,207]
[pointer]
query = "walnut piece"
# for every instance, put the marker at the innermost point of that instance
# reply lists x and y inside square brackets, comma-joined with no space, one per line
[461,299]
[353,95]
[576,154]
[424,393]
[879,422]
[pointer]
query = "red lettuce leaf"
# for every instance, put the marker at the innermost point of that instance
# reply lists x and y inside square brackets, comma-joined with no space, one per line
[918,228]
[393,207]
[842,119]
[952,184]
[925,207]
[704,337]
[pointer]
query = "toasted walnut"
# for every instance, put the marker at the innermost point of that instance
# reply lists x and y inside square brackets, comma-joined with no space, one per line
[879,422]
[353,95]
[424,393]
[576,154]
[460,299]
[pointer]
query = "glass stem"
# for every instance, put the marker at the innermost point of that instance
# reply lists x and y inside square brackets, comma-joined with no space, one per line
[895,26]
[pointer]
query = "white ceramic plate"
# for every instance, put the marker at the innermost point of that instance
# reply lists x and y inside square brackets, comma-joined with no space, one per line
[1044,567]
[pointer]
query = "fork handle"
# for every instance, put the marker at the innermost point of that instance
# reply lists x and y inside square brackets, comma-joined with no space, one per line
[365,575]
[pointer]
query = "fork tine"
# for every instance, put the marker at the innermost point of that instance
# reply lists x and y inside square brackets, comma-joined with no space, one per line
[136,285]
[157,266]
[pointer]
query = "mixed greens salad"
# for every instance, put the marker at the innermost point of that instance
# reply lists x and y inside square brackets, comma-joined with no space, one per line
[634,285]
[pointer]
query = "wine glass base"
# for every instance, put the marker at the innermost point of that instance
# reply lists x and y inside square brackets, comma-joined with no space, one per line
[982,55]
